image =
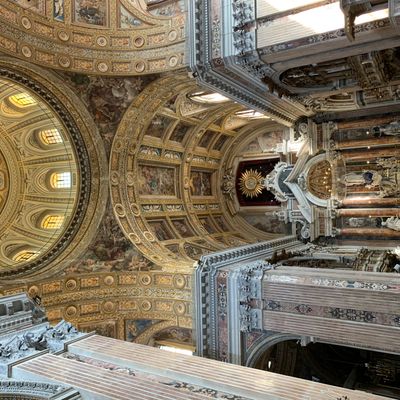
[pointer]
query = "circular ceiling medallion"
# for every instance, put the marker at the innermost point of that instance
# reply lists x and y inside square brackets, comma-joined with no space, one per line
[101,41]
[26,23]
[140,66]
[172,35]
[63,35]
[26,51]
[138,41]
[102,67]
[64,61]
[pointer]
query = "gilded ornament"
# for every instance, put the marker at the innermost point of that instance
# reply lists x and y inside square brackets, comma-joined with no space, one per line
[114,177]
[173,61]
[145,280]
[108,306]
[134,238]
[26,23]
[119,210]
[251,183]
[140,66]
[179,308]
[102,67]
[26,51]
[33,291]
[70,311]
[149,236]
[101,41]
[64,61]
[63,35]
[108,280]
[71,284]
[145,305]
[130,179]
[179,281]
[138,41]
[172,35]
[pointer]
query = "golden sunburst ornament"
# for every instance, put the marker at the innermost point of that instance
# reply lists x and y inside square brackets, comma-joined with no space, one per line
[251,183]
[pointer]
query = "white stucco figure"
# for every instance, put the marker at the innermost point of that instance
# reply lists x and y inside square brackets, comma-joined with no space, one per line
[392,129]
[367,178]
[392,223]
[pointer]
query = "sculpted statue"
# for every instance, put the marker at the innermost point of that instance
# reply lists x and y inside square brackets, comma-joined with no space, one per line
[228,183]
[392,129]
[368,178]
[392,223]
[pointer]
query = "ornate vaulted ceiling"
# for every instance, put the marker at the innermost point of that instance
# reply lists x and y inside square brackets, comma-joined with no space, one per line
[169,145]
[122,37]
[152,157]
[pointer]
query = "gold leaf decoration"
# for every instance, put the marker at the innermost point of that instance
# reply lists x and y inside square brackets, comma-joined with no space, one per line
[251,183]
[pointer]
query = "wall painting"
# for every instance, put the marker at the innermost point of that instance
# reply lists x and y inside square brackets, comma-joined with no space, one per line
[180,132]
[158,181]
[200,183]
[103,328]
[160,230]
[183,227]
[91,12]
[133,328]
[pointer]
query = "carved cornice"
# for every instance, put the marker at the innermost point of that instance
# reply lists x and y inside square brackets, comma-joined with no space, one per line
[228,62]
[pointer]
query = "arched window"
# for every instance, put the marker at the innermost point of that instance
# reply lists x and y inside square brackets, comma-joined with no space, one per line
[60,180]
[22,100]
[52,222]
[51,136]
[250,114]
[25,255]
[212,98]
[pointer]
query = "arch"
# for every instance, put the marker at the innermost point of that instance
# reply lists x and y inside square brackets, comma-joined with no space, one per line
[311,163]
[265,342]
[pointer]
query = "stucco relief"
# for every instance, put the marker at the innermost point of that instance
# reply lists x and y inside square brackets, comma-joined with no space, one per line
[86,36]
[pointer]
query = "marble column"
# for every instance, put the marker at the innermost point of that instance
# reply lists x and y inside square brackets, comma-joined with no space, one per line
[370,201]
[366,232]
[364,123]
[368,212]
[384,141]
[369,154]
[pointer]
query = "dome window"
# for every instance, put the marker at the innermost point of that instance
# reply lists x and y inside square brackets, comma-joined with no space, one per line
[60,180]
[25,256]
[51,136]
[52,222]
[22,100]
